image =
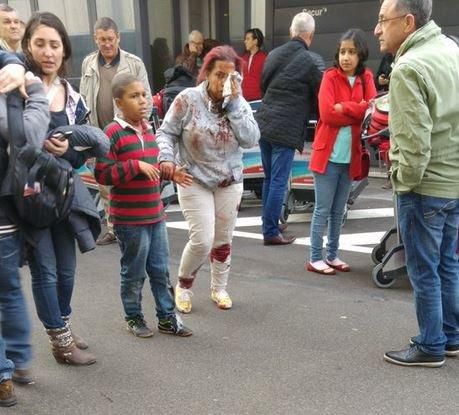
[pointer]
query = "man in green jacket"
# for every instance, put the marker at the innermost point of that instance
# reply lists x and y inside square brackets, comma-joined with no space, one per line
[424,125]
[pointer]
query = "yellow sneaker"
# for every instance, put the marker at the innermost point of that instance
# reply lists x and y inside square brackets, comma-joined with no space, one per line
[183,299]
[222,299]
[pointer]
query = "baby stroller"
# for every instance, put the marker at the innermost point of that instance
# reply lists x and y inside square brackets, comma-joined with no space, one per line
[389,254]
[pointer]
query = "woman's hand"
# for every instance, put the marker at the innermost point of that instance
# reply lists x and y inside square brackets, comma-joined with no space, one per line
[235,87]
[55,146]
[149,170]
[167,170]
[181,177]
[338,107]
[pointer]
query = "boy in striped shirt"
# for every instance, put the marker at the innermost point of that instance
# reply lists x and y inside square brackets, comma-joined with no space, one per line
[136,210]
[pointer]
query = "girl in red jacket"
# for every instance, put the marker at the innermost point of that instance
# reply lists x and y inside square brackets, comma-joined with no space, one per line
[336,151]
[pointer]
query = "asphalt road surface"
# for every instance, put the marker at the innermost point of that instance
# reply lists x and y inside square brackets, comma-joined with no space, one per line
[294,342]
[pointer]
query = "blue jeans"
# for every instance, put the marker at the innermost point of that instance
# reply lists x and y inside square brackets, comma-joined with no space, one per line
[144,251]
[15,349]
[331,191]
[428,227]
[277,164]
[52,267]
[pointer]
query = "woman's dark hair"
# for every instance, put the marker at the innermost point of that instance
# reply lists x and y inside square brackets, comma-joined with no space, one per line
[219,53]
[358,37]
[257,34]
[49,20]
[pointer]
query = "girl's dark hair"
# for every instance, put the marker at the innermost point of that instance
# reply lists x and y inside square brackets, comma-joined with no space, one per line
[219,53]
[49,20]
[258,35]
[358,37]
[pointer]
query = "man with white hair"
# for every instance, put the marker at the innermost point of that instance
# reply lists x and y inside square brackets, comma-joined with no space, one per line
[191,58]
[290,82]
[10,29]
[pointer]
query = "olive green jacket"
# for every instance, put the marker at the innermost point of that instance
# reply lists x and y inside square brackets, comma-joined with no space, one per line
[424,115]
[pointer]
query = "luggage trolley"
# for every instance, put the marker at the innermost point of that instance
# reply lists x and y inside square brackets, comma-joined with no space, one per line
[300,196]
[389,254]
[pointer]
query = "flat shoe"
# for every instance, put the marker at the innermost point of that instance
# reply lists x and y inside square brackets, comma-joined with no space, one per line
[341,267]
[326,271]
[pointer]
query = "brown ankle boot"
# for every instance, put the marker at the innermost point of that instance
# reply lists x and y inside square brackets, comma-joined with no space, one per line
[7,396]
[64,348]
[79,341]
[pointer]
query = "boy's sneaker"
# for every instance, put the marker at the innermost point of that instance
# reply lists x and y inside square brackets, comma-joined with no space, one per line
[222,299]
[451,350]
[174,325]
[7,396]
[183,299]
[138,327]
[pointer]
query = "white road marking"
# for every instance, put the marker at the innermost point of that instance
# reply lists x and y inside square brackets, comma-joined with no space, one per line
[348,242]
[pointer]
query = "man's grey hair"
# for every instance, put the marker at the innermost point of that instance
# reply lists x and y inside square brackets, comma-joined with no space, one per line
[6,8]
[106,23]
[302,23]
[193,34]
[421,9]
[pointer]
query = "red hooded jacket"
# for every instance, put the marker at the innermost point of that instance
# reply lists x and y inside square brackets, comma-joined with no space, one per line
[252,77]
[335,88]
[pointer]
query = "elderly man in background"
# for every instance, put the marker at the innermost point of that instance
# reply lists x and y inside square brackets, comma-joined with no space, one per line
[424,126]
[97,71]
[10,29]
[290,82]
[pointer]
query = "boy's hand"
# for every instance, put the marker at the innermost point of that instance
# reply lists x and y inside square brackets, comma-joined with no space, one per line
[338,107]
[181,177]
[148,170]
[167,170]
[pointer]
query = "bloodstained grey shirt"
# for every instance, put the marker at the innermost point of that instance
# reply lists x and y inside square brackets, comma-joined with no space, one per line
[206,139]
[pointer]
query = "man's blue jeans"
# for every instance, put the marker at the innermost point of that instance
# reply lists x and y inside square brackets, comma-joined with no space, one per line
[15,325]
[52,267]
[144,251]
[277,164]
[331,191]
[429,228]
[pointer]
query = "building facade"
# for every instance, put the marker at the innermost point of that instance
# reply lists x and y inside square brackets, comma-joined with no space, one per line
[157,30]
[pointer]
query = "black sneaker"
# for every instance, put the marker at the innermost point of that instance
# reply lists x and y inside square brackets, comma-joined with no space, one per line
[138,327]
[414,356]
[174,325]
[451,350]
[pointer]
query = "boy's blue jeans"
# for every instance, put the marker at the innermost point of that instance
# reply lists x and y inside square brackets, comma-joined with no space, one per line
[15,326]
[428,228]
[331,191]
[144,251]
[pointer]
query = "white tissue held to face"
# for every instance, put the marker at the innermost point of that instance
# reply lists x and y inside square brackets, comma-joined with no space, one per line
[233,78]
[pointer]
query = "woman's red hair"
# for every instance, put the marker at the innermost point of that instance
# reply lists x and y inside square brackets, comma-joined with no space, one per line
[220,53]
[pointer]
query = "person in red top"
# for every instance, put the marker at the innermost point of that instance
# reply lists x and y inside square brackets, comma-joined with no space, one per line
[254,61]
[336,151]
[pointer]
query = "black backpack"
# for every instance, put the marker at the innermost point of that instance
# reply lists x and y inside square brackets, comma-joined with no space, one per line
[39,186]
[177,78]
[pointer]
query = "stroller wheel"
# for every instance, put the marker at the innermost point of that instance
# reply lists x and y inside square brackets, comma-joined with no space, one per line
[377,254]
[380,279]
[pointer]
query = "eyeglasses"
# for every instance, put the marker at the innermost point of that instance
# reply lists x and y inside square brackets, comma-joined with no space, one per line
[381,21]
